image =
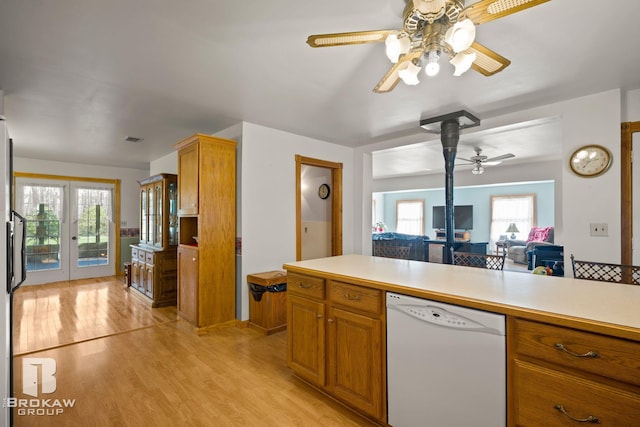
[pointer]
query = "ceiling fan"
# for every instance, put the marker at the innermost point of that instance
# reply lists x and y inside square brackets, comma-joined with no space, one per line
[478,160]
[430,29]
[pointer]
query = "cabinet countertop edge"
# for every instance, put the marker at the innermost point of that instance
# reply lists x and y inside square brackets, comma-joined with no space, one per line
[606,308]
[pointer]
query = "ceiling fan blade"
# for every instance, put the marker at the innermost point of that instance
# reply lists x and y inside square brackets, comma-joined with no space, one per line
[391,79]
[341,39]
[498,158]
[488,10]
[466,160]
[487,61]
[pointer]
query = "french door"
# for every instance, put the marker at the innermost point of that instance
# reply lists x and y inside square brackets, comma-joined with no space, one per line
[70,232]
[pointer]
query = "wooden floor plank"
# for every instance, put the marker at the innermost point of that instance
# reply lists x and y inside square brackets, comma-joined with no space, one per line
[165,374]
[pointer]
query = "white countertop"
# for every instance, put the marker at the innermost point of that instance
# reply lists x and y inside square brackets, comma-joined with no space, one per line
[583,302]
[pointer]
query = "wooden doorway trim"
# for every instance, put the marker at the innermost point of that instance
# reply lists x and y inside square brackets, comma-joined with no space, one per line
[627,129]
[336,203]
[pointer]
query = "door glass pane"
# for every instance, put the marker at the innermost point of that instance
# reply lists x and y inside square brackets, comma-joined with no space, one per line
[93,227]
[157,241]
[144,226]
[173,214]
[152,216]
[42,206]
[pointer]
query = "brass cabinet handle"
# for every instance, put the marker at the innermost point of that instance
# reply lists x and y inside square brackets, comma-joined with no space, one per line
[592,354]
[329,320]
[319,316]
[590,419]
[351,297]
[304,285]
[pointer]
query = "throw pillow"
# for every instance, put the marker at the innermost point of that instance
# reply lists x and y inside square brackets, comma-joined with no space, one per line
[538,234]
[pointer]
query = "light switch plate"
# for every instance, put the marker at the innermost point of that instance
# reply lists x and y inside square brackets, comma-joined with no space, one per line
[599,229]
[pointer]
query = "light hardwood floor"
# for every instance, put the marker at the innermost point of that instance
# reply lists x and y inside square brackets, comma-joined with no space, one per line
[148,368]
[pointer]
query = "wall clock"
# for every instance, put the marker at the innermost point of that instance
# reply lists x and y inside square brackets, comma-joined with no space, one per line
[324,191]
[590,160]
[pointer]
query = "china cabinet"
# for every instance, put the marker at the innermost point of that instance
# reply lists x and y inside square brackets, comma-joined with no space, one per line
[153,260]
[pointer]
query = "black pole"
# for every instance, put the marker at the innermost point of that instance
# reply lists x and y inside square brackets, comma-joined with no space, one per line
[450,136]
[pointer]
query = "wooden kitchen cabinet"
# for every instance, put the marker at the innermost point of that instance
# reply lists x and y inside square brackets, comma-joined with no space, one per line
[153,260]
[207,211]
[188,278]
[341,352]
[188,180]
[562,377]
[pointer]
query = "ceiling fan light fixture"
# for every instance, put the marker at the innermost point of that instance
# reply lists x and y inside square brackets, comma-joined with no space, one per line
[462,61]
[477,170]
[409,75]
[432,68]
[461,35]
[396,45]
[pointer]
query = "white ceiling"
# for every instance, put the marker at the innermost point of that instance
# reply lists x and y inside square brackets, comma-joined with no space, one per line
[81,75]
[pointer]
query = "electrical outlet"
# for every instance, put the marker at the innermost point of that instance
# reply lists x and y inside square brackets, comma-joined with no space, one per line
[123,223]
[599,229]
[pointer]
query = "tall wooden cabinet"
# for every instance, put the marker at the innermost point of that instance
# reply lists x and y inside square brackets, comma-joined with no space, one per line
[153,260]
[206,211]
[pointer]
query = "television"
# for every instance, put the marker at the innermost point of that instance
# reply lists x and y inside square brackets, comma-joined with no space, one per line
[462,217]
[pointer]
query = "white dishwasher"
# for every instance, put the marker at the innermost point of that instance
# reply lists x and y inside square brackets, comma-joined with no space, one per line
[446,365]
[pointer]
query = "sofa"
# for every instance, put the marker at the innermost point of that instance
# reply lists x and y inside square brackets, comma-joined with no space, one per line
[519,251]
[398,245]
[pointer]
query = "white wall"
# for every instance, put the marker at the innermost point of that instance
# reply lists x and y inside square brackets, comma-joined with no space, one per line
[166,164]
[269,197]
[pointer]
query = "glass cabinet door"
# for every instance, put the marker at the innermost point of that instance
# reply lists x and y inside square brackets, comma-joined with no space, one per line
[144,223]
[152,215]
[157,239]
[173,213]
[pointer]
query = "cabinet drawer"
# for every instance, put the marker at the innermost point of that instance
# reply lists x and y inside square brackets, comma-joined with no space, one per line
[142,255]
[616,358]
[540,392]
[357,297]
[149,258]
[134,253]
[309,286]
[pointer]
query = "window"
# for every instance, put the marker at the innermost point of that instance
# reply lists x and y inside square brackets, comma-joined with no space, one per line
[410,217]
[519,209]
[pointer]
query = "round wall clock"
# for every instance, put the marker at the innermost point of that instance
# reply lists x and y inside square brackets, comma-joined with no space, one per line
[324,191]
[590,160]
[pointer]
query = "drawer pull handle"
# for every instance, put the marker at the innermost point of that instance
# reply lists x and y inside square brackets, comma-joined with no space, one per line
[351,297]
[590,419]
[304,285]
[592,354]
[319,316]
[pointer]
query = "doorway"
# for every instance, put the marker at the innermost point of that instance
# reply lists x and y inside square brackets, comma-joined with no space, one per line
[318,208]
[70,228]
[630,195]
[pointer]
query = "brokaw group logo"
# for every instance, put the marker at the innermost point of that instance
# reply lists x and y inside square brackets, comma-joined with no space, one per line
[38,378]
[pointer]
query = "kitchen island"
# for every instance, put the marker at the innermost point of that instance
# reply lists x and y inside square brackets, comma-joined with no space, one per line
[573,346]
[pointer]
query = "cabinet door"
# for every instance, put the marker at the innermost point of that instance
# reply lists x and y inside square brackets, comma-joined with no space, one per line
[188,180]
[306,338]
[135,274]
[151,215]
[158,211]
[188,284]
[354,359]
[148,290]
[144,215]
